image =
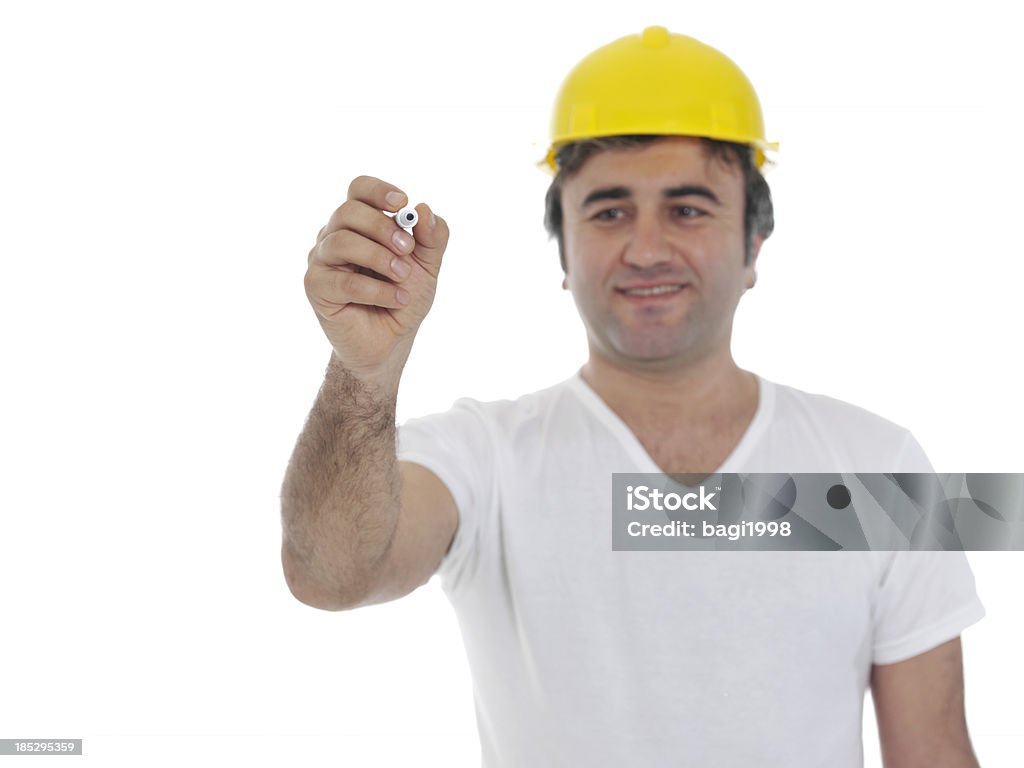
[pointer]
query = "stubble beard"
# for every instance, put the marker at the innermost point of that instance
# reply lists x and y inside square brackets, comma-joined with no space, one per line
[652,345]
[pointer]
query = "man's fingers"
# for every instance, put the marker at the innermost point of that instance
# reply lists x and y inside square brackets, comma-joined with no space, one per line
[377,193]
[348,247]
[364,192]
[339,241]
[360,218]
[331,289]
[431,237]
[363,214]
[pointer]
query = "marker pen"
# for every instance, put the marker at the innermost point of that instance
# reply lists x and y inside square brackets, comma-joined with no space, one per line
[407,217]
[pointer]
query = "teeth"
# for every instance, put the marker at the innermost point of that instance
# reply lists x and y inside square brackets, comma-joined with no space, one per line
[654,291]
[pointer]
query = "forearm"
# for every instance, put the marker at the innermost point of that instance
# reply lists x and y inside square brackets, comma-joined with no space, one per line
[340,498]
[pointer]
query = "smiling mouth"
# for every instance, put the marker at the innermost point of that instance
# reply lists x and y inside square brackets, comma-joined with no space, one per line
[656,290]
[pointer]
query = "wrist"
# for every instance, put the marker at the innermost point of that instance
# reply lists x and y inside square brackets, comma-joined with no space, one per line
[379,384]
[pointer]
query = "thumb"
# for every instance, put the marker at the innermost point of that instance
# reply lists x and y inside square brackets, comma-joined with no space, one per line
[431,233]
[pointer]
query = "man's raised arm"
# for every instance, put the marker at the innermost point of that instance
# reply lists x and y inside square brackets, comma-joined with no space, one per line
[357,528]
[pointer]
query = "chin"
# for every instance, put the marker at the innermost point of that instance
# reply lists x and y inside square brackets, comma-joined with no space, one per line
[650,348]
[651,356]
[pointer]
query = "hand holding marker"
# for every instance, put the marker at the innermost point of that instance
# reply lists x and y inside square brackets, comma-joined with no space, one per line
[371,279]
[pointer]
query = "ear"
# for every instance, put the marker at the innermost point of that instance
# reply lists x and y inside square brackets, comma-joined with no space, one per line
[565,283]
[752,267]
[758,242]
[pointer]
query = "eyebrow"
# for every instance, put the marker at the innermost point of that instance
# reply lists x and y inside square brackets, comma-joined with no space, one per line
[619,193]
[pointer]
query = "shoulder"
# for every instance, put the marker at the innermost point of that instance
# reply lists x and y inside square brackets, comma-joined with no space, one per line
[819,433]
[810,408]
[504,415]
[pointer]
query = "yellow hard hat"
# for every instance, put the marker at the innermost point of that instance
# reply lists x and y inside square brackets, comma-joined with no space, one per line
[659,83]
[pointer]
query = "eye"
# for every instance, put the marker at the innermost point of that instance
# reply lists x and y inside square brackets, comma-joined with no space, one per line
[687,211]
[609,214]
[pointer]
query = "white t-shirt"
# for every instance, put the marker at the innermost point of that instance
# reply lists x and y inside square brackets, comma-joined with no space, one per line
[581,655]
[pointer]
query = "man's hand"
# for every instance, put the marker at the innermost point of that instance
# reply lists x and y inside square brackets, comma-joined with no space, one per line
[370,283]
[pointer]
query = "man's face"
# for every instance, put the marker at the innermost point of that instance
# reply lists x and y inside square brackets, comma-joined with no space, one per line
[653,240]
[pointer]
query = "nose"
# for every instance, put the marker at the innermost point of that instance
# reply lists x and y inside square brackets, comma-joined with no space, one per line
[647,244]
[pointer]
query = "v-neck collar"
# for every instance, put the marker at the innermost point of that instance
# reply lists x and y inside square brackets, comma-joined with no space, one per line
[733,462]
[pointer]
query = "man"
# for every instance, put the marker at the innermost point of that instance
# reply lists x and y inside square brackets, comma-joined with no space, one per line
[581,655]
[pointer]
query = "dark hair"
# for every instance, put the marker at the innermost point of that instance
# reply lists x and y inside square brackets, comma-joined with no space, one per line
[758,213]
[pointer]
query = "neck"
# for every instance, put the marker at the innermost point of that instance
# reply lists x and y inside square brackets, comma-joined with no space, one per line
[700,392]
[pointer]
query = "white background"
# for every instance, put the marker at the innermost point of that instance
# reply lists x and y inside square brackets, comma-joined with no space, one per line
[165,170]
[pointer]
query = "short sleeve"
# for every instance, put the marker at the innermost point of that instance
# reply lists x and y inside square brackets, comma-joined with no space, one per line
[925,598]
[457,447]
[912,457]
